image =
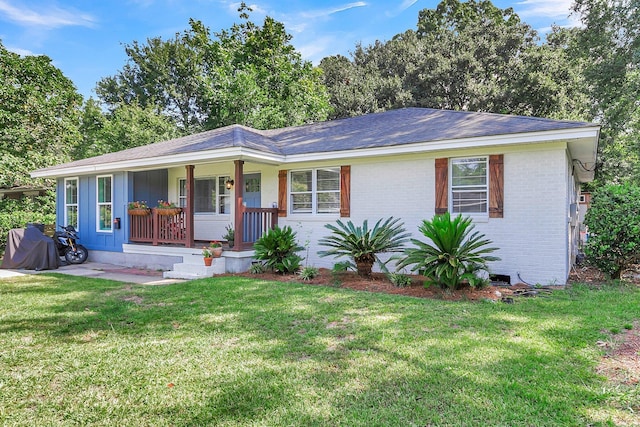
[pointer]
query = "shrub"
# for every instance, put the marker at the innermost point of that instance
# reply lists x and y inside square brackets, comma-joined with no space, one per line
[454,254]
[277,248]
[257,268]
[363,244]
[308,273]
[399,279]
[614,228]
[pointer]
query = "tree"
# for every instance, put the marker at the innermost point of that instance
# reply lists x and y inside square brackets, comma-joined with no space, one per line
[39,111]
[127,126]
[38,128]
[248,74]
[609,45]
[463,56]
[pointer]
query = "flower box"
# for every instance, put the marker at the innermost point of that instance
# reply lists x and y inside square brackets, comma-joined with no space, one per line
[168,211]
[139,212]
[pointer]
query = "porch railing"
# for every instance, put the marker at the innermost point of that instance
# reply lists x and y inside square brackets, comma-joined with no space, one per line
[160,226]
[256,222]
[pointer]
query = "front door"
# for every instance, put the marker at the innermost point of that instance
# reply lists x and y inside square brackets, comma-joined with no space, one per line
[251,190]
[251,198]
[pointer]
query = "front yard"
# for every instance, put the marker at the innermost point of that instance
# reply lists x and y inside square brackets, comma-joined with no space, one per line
[236,351]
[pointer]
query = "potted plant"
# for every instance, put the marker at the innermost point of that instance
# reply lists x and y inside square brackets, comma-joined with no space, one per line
[167,208]
[138,208]
[229,235]
[216,248]
[207,256]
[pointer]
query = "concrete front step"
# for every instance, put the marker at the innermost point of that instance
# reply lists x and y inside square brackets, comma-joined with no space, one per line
[192,270]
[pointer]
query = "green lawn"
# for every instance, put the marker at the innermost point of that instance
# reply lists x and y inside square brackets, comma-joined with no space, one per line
[240,352]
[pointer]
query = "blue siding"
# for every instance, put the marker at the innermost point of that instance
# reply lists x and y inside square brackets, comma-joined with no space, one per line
[87,212]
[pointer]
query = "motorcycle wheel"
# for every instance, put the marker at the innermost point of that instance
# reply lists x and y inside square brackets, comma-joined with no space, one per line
[78,256]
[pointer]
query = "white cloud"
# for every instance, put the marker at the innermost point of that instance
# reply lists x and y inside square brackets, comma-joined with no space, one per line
[21,52]
[52,17]
[406,4]
[545,8]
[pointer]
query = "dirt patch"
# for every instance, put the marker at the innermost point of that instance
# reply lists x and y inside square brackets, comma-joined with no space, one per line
[621,363]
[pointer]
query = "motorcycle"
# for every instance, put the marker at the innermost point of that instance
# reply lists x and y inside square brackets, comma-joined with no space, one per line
[67,246]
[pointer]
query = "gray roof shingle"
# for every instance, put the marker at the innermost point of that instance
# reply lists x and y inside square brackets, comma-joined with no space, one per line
[386,129]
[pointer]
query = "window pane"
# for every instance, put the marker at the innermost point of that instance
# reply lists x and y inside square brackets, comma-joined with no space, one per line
[71,191]
[105,217]
[468,172]
[328,202]
[328,180]
[469,202]
[301,181]
[205,195]
[104,189]
[301,203]
[72,216]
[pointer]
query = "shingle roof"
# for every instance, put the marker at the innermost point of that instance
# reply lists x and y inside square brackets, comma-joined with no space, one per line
[386,129]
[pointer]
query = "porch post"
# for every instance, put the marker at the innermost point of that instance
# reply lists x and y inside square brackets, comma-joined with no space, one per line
[238,186]
[190,202]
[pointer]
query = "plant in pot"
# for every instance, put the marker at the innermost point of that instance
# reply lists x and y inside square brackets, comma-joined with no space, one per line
[139,208]
[229,235]
[167,208]
[216,248]
[207,256]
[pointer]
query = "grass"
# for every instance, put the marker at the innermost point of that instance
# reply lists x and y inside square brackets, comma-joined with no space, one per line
[241,352]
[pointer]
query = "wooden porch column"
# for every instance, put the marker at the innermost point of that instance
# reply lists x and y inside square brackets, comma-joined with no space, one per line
[238,186]
[190,202]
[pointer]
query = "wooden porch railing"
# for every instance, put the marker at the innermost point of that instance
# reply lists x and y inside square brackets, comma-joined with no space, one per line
[158,227]
[256,222]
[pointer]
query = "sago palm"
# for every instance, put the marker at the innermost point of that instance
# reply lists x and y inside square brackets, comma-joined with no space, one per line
[453,254]
[363,244]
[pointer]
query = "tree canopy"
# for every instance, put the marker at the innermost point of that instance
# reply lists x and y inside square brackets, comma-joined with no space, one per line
[248,74]
[39,111]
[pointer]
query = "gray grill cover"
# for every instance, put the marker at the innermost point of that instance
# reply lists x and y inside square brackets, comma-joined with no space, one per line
[28,248]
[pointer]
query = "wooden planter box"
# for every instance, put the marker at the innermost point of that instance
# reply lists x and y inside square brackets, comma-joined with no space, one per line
[171,211]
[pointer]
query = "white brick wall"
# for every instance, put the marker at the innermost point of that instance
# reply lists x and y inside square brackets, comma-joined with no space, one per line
[532,236]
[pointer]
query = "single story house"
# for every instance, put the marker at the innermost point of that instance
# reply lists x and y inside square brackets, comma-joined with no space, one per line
[517,177]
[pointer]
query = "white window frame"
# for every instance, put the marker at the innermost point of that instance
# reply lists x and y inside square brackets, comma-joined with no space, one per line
[469,188]
[219,182]
[76,204]
[99,204]
[314,192]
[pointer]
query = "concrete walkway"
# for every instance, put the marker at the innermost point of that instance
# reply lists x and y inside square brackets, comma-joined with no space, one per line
[101,271]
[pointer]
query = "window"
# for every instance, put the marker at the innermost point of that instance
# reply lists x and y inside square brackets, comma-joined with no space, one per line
[104,208]
[469,185]
[315,191]
[71,202]
[210,195]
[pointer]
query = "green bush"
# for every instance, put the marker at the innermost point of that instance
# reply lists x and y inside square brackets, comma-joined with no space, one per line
[362,244]
[400,280]
[308,273]
[454,254]
[277,248]
[614,228]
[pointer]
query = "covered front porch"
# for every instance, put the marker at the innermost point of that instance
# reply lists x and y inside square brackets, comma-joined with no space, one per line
[178,227]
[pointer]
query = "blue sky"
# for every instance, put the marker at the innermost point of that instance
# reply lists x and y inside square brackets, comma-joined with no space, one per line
[85,38]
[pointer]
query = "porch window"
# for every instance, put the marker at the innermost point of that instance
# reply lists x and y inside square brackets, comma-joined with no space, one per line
[71,202]
[469,185]
[104,208]
[315,191]
[210,195]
